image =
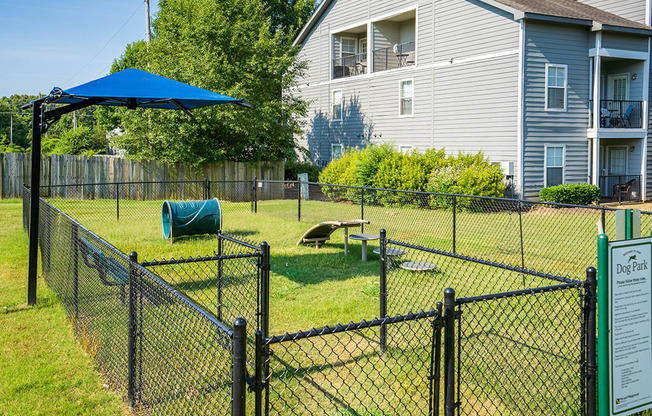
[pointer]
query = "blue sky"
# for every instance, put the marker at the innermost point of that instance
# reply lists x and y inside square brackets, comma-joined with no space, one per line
[63,43]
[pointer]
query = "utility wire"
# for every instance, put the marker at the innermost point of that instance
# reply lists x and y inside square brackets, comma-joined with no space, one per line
[106,68]
[106,44]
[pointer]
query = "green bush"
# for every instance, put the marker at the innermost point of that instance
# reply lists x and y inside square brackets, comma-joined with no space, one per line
[341,172]
[293,168]
[369,161]
[382,166]
[12,148]
[83,141]
[465,174]
[571,193]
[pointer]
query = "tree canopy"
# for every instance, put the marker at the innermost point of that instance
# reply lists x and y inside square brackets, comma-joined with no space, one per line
[239,48]
[10,113]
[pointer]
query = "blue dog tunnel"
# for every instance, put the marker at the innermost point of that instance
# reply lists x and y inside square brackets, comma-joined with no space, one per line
[192,217]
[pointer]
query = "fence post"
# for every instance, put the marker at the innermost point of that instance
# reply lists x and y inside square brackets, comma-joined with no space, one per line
[604,218]
[298,200]
[131,336]
[590,311]
[362,209]
[383,289]
[520,227]
[449,352]
[207,189]
[117,202]
[255,195]
[220,272]
[75,268]
[258,388]
[264,288]
[435,362]
[454,223]
[239,367]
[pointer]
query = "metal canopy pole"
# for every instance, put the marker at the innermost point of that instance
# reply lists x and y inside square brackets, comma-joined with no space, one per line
[34,201]
[40,121]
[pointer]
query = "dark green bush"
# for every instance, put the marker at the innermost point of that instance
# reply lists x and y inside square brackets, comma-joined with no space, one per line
[85,140]
[293,168]
[571,193]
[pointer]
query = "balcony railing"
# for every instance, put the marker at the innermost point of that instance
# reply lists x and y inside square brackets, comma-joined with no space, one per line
[617,114]
[621,187]
[397,56]
[351,65]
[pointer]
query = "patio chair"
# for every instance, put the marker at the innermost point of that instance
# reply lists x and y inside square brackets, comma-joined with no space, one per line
[621,189]
[627,116]
[624,120]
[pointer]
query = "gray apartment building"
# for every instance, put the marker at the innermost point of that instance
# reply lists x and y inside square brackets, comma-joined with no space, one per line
[556,91]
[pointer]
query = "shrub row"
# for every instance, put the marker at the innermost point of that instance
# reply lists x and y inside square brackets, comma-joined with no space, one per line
[382,166]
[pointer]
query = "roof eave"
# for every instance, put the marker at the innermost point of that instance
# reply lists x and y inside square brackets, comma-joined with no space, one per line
[312,22]
[630,30]
[557,19]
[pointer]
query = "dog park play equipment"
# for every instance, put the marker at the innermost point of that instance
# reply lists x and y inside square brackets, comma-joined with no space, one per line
[191,217]
[321,232]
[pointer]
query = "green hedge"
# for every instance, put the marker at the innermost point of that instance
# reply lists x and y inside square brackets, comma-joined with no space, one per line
[382,166]
[571,193]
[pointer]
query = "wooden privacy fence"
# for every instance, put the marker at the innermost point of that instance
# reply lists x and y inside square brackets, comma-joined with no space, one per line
[15,169]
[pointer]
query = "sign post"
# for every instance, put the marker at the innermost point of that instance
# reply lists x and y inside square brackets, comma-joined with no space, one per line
[624,345]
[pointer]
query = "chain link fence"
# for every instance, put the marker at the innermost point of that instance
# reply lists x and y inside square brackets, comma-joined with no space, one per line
[514,342]
[148,339]
[521,353]
[526,234]
[344,369]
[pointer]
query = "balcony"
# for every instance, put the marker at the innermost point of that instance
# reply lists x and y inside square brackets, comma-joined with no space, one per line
[348,66]
[396,56]
[618,114]
[620,187]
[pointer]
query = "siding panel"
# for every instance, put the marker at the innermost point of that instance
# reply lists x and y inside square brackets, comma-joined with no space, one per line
[629,9]
[566,45]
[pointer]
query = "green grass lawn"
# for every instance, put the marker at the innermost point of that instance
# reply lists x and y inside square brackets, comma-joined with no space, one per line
[44,370]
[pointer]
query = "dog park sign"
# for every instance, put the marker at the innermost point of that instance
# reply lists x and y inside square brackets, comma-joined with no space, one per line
[626,297]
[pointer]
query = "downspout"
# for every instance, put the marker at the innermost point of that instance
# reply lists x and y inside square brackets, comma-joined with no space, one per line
[645,121]
[520,136]
[595,173]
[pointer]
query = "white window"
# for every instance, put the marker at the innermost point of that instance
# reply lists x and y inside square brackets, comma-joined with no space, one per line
[336,103]
[406,98]
[349,47]
[554,160]
[556,82]
[406,149]
[337,150]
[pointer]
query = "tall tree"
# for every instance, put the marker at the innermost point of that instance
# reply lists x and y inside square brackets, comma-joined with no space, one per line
[10,113]
[226,46]
[289,16]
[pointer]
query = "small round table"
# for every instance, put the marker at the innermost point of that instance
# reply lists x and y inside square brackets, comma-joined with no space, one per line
[391,251]
[417,266]
[364,238]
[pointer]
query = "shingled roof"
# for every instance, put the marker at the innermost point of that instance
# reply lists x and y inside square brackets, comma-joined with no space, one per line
[572,9]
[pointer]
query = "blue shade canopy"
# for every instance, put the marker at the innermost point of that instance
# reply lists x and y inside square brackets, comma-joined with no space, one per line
[135,88]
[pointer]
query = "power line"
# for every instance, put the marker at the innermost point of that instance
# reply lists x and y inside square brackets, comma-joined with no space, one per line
[106,68]
[106,44]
